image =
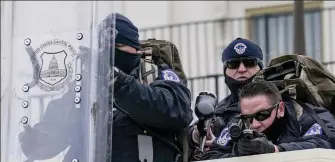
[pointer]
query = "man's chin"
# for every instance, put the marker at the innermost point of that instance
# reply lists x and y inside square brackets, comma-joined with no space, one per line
[242,79]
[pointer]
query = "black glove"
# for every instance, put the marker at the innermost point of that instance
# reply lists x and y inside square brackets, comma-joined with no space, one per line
[258,145]
[120,78]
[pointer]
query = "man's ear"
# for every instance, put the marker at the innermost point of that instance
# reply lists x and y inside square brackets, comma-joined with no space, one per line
[224,68]
[281,109]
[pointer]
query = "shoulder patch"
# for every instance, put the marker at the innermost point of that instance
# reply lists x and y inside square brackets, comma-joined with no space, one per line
[224,138]
[170,75]
[314,130]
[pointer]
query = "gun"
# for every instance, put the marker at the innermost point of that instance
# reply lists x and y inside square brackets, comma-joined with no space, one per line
[241,130]
[204,110]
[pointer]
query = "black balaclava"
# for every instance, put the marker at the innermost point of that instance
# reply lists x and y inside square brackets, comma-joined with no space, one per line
[125,61]
[126,34]
[235,85]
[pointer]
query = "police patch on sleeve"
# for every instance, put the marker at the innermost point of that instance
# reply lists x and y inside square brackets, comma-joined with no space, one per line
[224,138]
[314,130]
[170,75]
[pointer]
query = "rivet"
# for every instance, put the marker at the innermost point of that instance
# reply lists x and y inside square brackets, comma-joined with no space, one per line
[25,88]
[77,88]
[78,77]
[77,100]
[25,104]
[27,42]
[24,120]
[79,36]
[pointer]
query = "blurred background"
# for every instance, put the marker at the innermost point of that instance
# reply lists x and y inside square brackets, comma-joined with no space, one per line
[202,29]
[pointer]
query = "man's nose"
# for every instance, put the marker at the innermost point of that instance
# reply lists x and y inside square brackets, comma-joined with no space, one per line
[255,124]
[241,68]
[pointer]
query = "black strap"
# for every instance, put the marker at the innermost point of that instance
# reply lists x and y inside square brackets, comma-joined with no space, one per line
[309,110]
[169,143]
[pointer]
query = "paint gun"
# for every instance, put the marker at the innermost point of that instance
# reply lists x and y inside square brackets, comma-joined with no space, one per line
[241,130]
[204,110]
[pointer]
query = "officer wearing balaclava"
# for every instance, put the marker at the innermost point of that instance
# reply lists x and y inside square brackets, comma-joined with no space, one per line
[242,59]
[164,106]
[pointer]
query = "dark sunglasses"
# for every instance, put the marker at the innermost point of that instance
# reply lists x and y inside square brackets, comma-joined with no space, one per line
[234,63]
[262,115]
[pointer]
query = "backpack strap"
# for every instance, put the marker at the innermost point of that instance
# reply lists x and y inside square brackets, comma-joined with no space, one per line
[148,70]
[172,145]
[298,109]
[310,111]
[182,138]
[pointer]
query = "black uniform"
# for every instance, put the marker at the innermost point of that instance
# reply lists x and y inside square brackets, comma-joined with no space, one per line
[225,111]
[164,107]
[289,134]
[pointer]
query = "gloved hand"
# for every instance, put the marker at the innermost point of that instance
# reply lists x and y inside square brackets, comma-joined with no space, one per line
[209,136]
[118,79]
[259,145]
[114,74]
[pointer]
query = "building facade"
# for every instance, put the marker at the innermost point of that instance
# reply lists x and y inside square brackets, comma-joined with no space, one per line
[201,29]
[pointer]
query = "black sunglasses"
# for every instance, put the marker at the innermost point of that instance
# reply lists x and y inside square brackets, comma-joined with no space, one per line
[234,63]
[260,116]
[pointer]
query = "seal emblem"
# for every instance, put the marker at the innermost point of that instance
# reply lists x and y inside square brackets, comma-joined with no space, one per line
[224,138]
[314,129]
[240,48]
[170,75]
[56,60]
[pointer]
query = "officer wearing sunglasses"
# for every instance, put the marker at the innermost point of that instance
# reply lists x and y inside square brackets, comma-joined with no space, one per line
[242,59]
[275,125]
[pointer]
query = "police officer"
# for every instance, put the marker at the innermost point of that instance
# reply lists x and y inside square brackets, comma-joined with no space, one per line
[242,59]
[275,124]
[145,115]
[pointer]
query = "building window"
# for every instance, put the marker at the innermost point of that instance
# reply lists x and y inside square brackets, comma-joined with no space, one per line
[274,32]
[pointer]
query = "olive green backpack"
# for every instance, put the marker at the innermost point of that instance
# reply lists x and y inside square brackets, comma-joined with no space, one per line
[156,53]
[303,78]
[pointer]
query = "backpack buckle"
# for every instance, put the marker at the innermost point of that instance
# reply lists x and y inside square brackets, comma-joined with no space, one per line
[292,91]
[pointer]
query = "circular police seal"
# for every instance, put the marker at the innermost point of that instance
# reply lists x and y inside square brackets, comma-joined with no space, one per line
[55,59]
[240,48]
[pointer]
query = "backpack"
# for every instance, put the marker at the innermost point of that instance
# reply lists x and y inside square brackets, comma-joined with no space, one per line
[163,53]
[306,81]
[159,53]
